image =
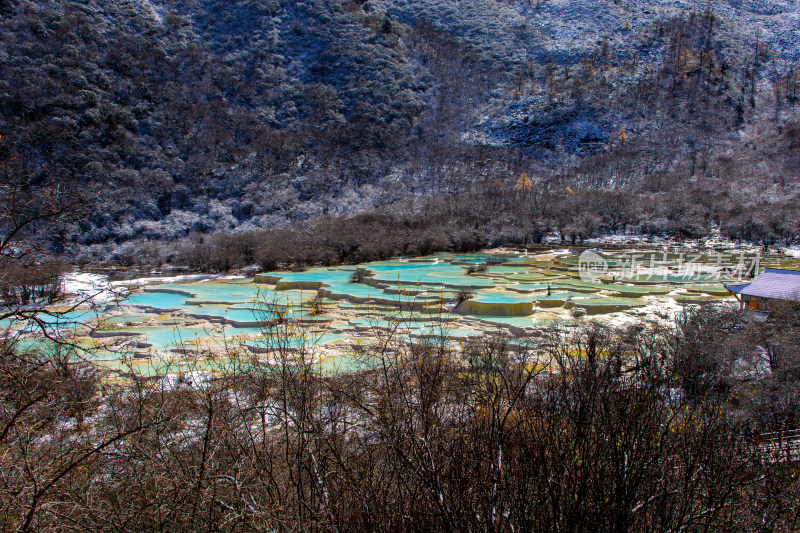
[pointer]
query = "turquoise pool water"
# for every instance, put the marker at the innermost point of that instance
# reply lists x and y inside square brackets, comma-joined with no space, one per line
[157,299]
[501,297]
[415,296]
[170,337]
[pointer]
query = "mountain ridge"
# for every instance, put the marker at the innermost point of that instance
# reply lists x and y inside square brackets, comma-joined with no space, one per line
[210,116]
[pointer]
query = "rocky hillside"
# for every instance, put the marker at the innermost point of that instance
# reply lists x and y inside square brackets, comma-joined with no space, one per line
[181,116]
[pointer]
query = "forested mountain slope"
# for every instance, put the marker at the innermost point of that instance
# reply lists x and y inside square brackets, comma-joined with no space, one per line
[184,116]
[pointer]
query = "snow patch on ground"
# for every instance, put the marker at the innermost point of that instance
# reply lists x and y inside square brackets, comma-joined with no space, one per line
[792,251]
[194,380]
[713,242]
[660,310]
[172,279]
[88,288]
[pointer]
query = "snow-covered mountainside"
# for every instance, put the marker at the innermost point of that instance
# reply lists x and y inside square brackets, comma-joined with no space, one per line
[187,116]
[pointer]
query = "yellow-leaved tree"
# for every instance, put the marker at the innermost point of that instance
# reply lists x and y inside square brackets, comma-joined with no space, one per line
[524,183]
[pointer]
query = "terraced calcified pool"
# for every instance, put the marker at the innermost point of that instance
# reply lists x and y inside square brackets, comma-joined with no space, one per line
[448,296]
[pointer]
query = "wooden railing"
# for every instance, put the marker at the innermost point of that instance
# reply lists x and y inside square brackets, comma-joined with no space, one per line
[778,447]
